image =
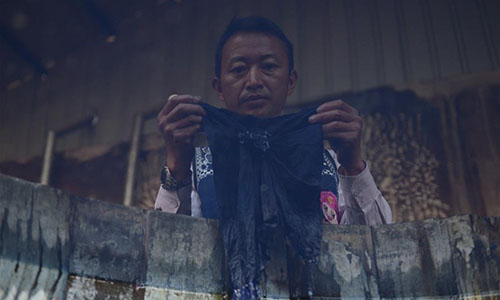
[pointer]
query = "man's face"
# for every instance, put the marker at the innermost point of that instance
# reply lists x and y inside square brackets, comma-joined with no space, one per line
[254,79]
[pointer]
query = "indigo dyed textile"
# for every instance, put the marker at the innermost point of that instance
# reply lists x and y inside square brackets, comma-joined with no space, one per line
[267,173]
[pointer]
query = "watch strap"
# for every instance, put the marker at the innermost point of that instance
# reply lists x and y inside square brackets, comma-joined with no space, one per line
[169,183]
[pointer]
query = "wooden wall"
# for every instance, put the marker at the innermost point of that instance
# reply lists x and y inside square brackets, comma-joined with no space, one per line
[167,47]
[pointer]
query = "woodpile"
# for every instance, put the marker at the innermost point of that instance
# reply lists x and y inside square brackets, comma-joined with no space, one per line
[405,170]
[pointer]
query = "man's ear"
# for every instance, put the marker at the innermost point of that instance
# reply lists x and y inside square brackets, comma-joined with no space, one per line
[218,88]
[292,81]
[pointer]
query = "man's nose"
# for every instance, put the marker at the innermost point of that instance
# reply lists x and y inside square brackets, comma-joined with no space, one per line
[254,80]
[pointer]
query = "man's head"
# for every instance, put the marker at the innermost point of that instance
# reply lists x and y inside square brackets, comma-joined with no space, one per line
[254,67]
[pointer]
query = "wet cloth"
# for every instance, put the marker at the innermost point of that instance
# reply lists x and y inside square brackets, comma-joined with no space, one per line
[267,172]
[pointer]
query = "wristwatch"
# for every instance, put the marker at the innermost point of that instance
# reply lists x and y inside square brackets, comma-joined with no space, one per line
[169,183]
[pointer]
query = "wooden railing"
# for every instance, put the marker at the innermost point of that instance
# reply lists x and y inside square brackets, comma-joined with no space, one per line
[57,245]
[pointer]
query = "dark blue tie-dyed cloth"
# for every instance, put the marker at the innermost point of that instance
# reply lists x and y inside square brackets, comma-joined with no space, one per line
[267,172]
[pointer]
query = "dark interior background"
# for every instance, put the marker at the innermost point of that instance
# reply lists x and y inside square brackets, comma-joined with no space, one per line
[424,74]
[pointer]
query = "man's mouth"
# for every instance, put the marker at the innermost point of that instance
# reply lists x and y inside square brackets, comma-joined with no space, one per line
[254,98]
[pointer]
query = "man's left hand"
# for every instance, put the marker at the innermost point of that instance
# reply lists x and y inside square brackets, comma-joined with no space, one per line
[342,127]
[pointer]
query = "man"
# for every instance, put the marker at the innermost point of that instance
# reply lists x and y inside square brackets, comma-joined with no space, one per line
[254,76]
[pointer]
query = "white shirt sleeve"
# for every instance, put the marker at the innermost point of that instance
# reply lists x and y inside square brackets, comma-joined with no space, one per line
[360,201]
[169,201]
[363,202]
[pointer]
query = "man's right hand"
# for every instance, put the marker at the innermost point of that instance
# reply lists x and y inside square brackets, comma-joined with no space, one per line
[178,121]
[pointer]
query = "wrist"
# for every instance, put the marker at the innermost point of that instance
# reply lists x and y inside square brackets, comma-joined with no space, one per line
[179,173]
[352,169]
[179,170]
[169,183]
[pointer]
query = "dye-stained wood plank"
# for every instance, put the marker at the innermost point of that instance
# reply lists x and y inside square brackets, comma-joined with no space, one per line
[418,264]
[475,253]
[35,239]
[51,218]
[187,257]
[15,207]
[108,245]
[346,267]
[152,293]
[274,279]
[454,257]
[79,287]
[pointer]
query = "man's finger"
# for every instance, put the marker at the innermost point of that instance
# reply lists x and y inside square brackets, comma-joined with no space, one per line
[185,135]
[187,121]
[182,110]
[336,138]
[337,126]
[171,96]
[174,100]
[336,104]
[332,115]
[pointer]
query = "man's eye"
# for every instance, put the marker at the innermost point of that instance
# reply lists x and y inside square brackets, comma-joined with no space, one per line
[270,67]
[238,70]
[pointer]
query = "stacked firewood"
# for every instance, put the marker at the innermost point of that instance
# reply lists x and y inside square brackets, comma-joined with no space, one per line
[404,169]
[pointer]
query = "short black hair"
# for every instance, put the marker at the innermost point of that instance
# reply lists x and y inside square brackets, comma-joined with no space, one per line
[252,24]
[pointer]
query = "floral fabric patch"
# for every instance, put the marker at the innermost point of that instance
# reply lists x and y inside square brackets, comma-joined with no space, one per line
[329,205]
